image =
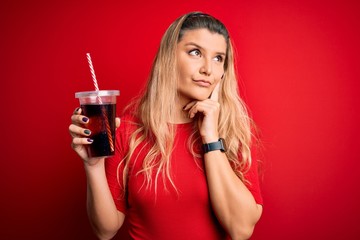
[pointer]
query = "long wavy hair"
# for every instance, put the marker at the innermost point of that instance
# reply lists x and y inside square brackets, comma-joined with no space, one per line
[155,107]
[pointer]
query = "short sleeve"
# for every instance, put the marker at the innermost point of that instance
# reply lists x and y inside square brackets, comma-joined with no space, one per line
[253,181]
[114,168]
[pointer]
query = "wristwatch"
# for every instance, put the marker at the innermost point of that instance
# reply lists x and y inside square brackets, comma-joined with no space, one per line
[219,145]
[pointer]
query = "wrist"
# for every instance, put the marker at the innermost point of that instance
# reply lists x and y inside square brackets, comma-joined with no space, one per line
[209,139]
[94,163]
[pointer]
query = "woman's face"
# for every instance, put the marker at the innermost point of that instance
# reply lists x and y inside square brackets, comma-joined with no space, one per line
[200,64]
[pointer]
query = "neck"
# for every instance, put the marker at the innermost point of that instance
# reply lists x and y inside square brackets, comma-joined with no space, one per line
[180,116]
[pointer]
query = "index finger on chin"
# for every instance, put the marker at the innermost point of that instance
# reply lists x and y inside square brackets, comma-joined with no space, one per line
[215,93]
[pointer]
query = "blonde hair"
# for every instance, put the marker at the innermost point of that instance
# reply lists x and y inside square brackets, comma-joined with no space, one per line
[154,108]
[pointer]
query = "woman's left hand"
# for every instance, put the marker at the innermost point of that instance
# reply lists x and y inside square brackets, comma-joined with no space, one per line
[208,120]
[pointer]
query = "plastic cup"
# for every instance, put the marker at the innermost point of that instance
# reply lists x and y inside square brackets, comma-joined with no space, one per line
[100,108]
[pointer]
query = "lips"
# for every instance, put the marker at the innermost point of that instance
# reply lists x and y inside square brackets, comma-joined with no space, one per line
[202,83]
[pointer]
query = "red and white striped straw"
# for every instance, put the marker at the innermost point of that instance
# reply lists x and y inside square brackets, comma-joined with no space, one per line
[92,71]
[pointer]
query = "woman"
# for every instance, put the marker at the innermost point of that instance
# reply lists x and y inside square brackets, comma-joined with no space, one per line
[172,176]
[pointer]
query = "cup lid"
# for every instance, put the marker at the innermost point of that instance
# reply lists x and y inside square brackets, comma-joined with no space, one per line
[101,93]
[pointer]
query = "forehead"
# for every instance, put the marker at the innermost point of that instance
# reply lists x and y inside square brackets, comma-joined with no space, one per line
[204,38]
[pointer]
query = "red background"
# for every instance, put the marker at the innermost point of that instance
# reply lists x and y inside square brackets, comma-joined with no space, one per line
[299,63]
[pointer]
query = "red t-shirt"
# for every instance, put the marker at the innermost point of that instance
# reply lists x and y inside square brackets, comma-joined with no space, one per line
[168,214]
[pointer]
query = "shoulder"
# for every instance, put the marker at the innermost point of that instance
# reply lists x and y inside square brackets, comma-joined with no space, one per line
[129,120]
[128,124]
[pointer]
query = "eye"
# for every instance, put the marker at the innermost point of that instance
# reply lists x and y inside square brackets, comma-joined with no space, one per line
[219,58]
[195,52]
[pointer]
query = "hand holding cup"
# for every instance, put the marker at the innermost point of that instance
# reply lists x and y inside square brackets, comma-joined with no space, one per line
[80,135]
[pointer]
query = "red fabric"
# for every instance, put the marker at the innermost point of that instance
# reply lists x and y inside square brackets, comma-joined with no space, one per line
[186,214]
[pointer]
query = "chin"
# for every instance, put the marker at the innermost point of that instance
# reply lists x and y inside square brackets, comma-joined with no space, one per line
[201,97]
[196,95]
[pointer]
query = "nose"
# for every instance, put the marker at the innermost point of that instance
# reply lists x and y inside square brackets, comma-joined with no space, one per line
[206,67]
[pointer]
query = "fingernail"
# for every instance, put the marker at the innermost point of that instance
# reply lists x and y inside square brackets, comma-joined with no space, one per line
[87,132]
[90,140]
[76,110]
[85,119]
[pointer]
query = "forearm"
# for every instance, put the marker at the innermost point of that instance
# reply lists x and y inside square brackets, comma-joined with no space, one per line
[232,202]
[102,212]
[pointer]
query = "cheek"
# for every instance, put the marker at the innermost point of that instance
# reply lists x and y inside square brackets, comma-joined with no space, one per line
[219,71]
[186,69]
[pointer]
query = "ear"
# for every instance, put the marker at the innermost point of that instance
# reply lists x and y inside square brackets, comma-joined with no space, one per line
[222,77]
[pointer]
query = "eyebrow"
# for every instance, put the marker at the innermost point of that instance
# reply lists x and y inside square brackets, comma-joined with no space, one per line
[198,46]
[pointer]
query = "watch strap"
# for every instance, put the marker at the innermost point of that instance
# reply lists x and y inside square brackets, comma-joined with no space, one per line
[213,146]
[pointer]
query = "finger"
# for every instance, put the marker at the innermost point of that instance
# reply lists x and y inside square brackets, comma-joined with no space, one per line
[117,122]
[215,94]
[198,107]
[77,110]
[76,142]
[189,105]
[206,107]
[76,131]
[75,118]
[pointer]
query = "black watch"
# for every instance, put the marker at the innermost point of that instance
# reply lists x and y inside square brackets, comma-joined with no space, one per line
[219,145]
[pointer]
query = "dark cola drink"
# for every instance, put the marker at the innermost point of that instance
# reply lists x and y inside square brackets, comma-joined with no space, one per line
[99,107]
[102,126]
